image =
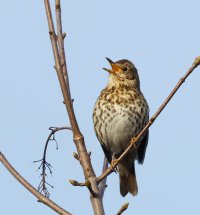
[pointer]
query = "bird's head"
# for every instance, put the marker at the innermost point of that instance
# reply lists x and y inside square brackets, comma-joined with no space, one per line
[123,71]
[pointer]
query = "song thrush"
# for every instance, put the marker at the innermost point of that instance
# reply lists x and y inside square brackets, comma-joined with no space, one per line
[120,113]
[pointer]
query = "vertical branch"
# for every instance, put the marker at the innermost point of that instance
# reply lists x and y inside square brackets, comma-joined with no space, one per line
[61,38]
[102,185]
[78,137]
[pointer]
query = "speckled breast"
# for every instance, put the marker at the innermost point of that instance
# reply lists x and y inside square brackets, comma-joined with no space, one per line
[119,115]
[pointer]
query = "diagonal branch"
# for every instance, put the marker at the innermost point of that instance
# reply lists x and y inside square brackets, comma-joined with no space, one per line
[134,140]
[123,208]
[77,135]
[29,187]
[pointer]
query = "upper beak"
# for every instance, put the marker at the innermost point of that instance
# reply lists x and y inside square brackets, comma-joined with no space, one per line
[110,61]
[115,67]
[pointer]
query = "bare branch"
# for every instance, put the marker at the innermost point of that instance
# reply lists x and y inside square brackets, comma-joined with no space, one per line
[134,140]
[76,183]
[89,186]
[84,184]
[29,187]
[44,164]
[123,208]
[102,185]
[61,37]
[78,137]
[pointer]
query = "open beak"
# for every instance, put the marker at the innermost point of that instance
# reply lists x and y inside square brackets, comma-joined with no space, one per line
[115,68]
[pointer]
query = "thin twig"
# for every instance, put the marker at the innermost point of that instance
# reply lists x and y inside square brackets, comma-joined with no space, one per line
[77,135]
[44,164]
[123,208]
[134,140]
[29,187]
[102,185]
[84,184]
[76,183]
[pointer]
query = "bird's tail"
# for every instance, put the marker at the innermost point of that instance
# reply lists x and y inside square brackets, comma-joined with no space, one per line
[128,181]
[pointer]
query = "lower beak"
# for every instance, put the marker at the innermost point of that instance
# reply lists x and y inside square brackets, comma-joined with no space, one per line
[115,67]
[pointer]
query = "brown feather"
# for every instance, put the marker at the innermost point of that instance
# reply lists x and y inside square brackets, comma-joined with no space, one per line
[142,148]
[128,182]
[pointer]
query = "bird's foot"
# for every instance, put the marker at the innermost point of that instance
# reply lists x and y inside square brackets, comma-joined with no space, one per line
[113,165]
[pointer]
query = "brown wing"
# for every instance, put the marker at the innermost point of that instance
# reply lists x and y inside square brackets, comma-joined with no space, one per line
[142,148]
[107,153]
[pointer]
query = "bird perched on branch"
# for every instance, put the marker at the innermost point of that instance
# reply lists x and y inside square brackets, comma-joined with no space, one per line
[120,113]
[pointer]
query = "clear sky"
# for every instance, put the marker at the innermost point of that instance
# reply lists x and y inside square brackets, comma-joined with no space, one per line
[161,38]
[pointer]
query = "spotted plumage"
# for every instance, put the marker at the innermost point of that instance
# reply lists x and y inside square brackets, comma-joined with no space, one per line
[120,113]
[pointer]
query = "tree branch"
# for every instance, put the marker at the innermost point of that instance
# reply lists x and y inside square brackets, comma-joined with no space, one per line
[42,186]
[29,187]
[102,185]
[134,140]
[77,136]
[123,208]
[61,37]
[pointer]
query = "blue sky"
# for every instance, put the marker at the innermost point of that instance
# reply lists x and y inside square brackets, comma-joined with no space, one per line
[161,38]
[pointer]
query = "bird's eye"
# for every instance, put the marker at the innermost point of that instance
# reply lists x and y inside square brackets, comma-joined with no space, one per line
[125,69]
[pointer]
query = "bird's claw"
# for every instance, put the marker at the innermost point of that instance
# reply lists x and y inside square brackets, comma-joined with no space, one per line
[113,165]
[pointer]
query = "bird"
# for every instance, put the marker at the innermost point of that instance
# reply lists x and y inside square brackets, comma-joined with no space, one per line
[120,113]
